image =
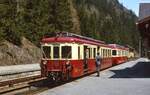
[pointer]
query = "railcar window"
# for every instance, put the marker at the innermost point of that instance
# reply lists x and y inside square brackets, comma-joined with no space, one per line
[79,52]
[114,52]
[89,52]
[101,52]
[46,50]
[66,52]
[105,52]
[119,53]
[110,53]
[94,52]
[56,52]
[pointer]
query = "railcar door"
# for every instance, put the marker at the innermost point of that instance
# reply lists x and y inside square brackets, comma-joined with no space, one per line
[56,57]
[85,63]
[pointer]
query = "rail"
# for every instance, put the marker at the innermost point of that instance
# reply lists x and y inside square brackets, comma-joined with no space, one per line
[18,83]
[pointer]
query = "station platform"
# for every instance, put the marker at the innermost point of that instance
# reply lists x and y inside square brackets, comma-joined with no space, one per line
[130,78]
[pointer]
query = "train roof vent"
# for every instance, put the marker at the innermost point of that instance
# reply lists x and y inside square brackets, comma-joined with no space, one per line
[67,34]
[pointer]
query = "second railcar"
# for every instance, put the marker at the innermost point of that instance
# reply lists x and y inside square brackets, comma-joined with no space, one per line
[119,54]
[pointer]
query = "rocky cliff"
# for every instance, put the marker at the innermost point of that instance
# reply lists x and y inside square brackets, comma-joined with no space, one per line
[11,54]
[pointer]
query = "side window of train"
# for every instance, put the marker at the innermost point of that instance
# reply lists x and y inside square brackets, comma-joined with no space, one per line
[103,52]
[94,52]
[114,52]
[79,57]
[109,53]
[56,52]
[89,52]
[106,53]
[66,52]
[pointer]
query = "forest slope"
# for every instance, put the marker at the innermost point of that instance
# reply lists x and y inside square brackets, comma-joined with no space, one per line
[105,20]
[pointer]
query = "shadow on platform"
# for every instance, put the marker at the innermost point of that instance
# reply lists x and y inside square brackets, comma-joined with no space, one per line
[140,70]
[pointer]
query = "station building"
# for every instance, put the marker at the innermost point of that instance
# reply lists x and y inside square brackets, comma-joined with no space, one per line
[144,28]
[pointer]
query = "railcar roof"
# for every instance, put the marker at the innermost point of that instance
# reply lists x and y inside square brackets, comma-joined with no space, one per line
[71,40]
[116,46]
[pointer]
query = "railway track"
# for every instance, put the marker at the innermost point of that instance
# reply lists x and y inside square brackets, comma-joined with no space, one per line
[9,86]
[35,81]
[39,84]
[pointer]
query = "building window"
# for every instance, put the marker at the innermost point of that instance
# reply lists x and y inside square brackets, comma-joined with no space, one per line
[66,52]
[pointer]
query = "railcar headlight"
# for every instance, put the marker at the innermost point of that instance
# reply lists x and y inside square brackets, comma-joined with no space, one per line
[44,62]
[68,62]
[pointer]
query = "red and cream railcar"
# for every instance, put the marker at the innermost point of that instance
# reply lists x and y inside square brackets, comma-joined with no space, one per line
[119,54]
[67,57]
[106,54]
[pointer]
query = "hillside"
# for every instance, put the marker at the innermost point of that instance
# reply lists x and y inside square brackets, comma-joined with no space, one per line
[33,19]
[107,20]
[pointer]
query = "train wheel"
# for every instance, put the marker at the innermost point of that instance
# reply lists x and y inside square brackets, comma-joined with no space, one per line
[55,76]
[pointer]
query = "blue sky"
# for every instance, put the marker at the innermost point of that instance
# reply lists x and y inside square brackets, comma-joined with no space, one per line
[133,4]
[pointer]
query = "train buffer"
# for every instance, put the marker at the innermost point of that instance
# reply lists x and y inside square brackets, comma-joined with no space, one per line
[130,78]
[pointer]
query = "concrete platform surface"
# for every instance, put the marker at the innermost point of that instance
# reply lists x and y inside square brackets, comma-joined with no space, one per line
[130,78]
